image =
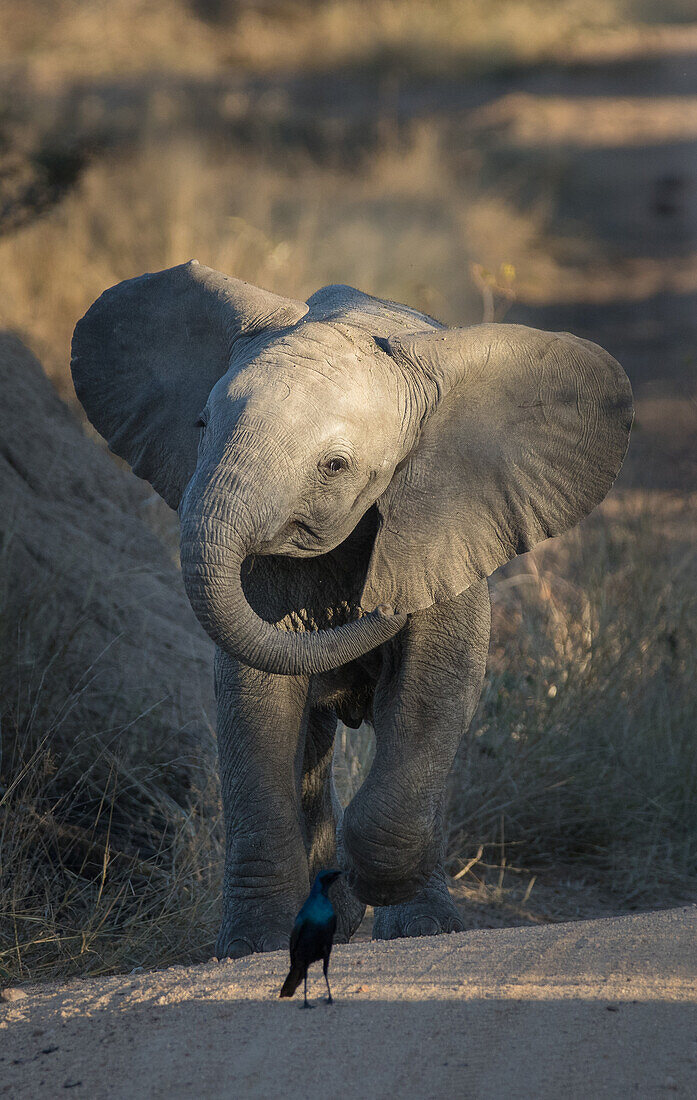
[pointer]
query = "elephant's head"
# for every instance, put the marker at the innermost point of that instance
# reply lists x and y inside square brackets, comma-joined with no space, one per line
[274,425]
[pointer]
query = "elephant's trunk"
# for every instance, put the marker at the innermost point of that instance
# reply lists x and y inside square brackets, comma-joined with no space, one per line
[212,575]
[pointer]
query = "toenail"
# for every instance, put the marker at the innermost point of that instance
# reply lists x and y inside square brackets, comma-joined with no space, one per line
[423,926]
[237,949]
[276,941]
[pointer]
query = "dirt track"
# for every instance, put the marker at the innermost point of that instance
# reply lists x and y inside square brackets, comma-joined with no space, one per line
[593,1008]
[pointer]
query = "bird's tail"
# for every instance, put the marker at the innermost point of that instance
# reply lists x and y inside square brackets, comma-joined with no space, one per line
[292,982]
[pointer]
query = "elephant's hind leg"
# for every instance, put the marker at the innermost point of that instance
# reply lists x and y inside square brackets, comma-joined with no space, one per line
[322,813]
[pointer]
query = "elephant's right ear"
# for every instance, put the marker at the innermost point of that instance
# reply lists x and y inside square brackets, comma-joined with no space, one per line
[148,352]
[519,434]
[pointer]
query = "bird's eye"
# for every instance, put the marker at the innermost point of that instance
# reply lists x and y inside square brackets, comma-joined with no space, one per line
[335,465]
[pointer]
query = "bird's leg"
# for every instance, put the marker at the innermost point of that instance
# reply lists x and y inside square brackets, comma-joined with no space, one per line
[325,967]
[322,814]
[306,1003]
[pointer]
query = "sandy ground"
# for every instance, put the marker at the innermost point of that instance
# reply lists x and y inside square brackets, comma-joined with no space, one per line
[593,1008]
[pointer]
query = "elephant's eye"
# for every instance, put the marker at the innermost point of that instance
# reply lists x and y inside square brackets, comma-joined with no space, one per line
[335,465]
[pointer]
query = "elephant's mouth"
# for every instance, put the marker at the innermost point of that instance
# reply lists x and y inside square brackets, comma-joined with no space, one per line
[296,540]
[305,528]
[299,540]
[304,537]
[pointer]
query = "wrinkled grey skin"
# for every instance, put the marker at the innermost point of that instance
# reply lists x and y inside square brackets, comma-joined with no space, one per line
[347,473]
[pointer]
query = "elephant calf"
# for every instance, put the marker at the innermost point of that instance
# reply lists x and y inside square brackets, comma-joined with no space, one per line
[348,472]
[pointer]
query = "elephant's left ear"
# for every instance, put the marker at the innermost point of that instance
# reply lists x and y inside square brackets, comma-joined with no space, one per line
[147,354]
[518,435]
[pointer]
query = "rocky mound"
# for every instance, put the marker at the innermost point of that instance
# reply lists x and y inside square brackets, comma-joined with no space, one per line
[69,518]
[105,676]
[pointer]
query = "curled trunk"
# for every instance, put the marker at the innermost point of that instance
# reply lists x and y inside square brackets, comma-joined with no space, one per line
[212,575]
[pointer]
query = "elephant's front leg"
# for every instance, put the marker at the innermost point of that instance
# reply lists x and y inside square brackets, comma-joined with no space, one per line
[261,732]
[424,701]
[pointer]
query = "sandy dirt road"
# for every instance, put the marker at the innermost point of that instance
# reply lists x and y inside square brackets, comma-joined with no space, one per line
[593,1009]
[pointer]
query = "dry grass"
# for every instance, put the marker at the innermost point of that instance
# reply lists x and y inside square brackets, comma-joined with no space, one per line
[109,858]
[79,38]
[583,750]
[283,222]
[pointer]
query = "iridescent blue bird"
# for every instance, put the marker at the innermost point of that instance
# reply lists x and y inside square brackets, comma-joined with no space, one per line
[312,936]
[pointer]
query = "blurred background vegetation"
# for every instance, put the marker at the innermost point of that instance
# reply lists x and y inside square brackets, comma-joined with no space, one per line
[527,160]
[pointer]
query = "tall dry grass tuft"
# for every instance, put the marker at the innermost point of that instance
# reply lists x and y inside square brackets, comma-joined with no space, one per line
[109,858]
[584,750]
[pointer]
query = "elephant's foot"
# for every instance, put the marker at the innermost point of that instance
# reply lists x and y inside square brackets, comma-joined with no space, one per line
[431,912]
[391,853]
[256,925]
